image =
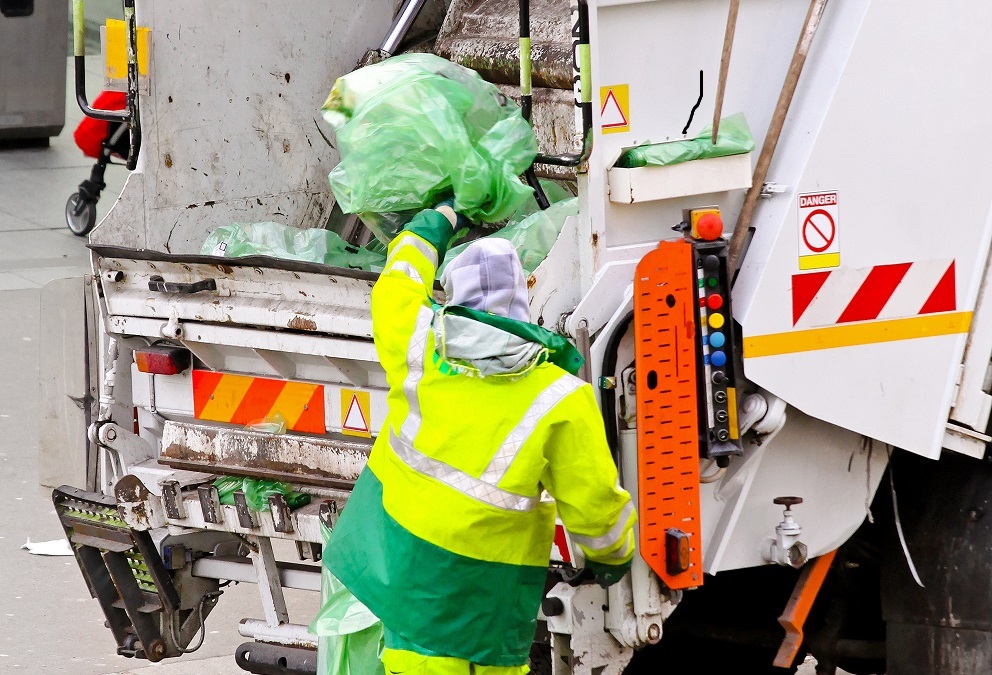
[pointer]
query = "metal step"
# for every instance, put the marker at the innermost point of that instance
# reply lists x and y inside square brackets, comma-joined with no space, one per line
[126,575]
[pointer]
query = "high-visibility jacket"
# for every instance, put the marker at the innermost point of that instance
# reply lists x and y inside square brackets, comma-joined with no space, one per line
[446,537]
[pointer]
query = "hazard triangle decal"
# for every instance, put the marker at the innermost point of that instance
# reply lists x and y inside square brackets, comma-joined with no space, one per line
[611,116]
[355,413]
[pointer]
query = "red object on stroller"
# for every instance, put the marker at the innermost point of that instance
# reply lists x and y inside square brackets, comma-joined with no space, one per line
[91,133]
[101,141]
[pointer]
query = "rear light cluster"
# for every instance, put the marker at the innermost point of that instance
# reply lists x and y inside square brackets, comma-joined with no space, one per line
[162,359]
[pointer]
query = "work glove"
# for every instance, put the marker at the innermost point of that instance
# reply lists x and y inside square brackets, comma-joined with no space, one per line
[457,220]
[604,575]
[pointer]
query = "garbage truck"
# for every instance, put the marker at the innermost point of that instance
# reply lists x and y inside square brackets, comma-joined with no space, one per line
[798,402]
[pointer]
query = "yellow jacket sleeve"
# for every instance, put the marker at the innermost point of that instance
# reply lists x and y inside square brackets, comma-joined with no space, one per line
[405,285]
[582,478]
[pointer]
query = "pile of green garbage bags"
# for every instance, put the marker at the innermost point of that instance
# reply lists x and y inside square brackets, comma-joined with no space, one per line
[257,492]
[417,129]
[733,138]
[531,231]
[289,243]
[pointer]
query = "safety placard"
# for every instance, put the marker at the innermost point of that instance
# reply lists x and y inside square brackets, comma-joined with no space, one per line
[614,110]
[355,408]
[819,224]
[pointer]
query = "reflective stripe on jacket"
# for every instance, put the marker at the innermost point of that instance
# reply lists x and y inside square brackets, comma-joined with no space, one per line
[446,537]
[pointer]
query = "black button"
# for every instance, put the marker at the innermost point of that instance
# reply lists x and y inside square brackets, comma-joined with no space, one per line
[711,263]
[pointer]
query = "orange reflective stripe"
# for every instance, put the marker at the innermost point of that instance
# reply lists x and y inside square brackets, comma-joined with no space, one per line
[243,400]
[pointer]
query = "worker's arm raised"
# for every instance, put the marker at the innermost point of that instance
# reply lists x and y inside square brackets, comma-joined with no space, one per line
[582,478]
[403,291]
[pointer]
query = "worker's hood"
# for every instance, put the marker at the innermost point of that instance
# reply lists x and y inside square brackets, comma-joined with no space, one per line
[474,348]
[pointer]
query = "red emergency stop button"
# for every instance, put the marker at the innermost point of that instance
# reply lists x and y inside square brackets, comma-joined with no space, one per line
[709,226]
[715,301]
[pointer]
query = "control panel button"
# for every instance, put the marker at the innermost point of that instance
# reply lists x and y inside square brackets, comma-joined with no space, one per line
[715,301]
[718,359]
[715,321]
[717,340]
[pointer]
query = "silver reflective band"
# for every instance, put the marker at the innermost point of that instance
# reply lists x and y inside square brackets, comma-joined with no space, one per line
[406,268]
[415,371]
[623,551]
[469,486]
[410,239]
[511,445]
[612,537]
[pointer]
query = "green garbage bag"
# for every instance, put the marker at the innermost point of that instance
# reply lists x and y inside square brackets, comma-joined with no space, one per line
[733,138]
[417,129]
[257,492]
[349,637]
[533,236]
[290,243]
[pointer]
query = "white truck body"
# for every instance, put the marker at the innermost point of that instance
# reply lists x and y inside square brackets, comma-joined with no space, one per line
[890,342]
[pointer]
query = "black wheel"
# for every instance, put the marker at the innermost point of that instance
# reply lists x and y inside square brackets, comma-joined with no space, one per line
[80,215]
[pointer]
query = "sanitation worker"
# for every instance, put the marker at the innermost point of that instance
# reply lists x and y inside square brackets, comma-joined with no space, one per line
[447,535]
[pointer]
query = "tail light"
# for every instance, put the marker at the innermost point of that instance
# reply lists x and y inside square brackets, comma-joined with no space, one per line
[162,360]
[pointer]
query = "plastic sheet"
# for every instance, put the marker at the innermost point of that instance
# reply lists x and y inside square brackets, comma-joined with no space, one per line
[290,243]
[417,129]
[533,236]
[257,492]
[733,138]
[349,636]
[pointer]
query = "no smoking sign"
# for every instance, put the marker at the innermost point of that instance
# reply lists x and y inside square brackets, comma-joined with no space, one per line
[819,222]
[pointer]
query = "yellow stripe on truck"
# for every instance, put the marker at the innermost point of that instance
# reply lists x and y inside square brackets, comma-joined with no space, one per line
[850,335]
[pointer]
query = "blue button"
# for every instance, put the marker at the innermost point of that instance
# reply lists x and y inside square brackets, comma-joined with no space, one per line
[718,359]
[717,340]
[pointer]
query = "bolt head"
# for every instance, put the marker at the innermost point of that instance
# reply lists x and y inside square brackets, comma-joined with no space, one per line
[798,555]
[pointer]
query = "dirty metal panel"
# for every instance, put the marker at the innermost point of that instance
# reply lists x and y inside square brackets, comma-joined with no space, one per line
[325,462]
[667,420]
[306,302]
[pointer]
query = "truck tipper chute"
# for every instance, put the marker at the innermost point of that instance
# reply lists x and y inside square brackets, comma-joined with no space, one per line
[790,344]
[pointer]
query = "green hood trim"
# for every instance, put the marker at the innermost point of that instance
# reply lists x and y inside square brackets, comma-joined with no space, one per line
[445,603]
[560,352]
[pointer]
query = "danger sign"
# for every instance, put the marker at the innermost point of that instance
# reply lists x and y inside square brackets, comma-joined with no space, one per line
[614,111]
[355,408]
[819,222]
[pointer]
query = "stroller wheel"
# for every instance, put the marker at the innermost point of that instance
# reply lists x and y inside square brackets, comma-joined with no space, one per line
[80,215]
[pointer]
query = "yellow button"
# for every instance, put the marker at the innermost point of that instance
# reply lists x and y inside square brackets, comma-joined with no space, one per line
[715,321]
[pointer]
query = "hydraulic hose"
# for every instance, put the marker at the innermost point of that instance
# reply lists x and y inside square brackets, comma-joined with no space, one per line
[608,401]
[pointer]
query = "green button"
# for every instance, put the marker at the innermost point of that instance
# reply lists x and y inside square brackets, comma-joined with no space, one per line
[712,281]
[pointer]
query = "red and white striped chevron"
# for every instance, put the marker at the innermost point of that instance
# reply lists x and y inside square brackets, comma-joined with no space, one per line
[873,293]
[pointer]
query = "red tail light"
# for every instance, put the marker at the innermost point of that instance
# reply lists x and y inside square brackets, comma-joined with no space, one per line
[161,360]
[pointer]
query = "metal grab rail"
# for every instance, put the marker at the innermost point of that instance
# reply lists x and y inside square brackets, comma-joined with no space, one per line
[131,116]
[582,65]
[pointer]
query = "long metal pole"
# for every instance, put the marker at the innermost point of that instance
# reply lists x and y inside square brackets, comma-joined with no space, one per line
[728,45]
[739,237]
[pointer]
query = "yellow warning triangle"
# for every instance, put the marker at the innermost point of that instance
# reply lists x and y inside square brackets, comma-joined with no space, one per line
[611,114]
[355,419]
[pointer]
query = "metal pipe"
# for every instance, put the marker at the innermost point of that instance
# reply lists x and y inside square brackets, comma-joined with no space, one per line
[291,575]
[401,25]
[582,65]
[737,241]
[79,61]
[285,634]
[728,45]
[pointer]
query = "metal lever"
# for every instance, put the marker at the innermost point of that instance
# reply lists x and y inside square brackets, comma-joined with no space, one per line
[160,285]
